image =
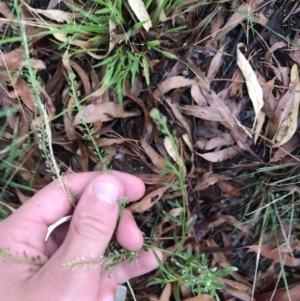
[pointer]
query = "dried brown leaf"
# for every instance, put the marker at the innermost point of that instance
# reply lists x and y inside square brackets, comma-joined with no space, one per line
[236,86]
[207,113]
[274,47]
[281,294]
[54,14]
[288,125]
[236,285]
[110,154]
[275,255]
[216,24]
[152,179]
[69,128]
[282,74]
[254,89]
[110,141]
[201,143]
[236,290]
[83,156]
[173,83]
[225,140]
[83,76]
[203,82]
[215,64]
[280,113]
[148,127]
[260,122]
[237,18]
[102,112]
[221,155]
[62,37]
[166,293]
[12,60]
[172,152]
[23,90]
[38,64]
[219,257]
[222,260]
[269,98]
[229,189]
[5,11]
[156,159]
[198,96]
[286,148]
[232,221]
[207,180]
[295,55]
[148,201]
[220,102]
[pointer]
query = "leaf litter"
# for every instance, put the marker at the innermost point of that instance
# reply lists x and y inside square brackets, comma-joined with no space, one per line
[225,77]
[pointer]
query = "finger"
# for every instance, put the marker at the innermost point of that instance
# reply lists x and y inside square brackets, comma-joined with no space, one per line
[95,218]
[144,263]
[129,235]
[52,202]
[30,222]
[108,286]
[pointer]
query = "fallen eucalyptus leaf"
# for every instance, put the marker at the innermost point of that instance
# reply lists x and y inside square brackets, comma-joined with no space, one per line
[288,126]
[254,89]
[54,14]
[141,13]
[102,112]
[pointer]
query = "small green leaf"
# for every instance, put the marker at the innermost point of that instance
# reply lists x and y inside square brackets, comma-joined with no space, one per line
[139,24]
[226,271]
[167,54]
[175,29]
[152,44]
[172,218]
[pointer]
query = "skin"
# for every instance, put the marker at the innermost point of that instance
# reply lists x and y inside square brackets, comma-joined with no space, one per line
[92,226]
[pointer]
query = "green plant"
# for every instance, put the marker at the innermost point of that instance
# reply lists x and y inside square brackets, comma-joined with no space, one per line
[114,257]
[183,267]
[25,260]
[192,272]
[89,29]
[3,214]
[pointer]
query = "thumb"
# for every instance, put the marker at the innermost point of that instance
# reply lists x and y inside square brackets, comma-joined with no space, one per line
[95,218]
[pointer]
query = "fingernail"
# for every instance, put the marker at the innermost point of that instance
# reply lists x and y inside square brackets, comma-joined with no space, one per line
[121,293]
[106,191]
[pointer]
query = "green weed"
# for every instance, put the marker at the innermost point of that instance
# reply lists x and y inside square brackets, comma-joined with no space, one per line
[183,267]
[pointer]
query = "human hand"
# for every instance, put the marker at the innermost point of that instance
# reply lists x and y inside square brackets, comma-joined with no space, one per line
[90,231]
